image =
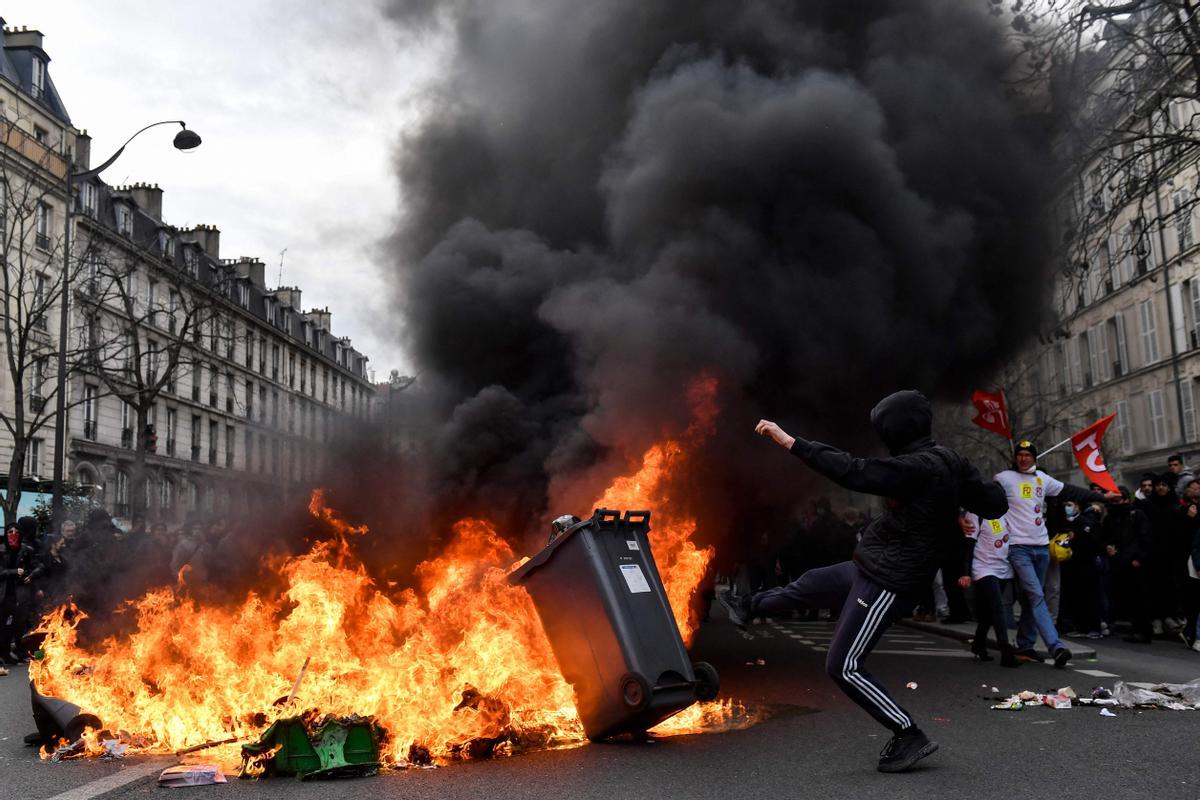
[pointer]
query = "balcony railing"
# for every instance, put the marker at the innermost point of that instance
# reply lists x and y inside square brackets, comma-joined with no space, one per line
[89,429]
[42,241]
[126,437]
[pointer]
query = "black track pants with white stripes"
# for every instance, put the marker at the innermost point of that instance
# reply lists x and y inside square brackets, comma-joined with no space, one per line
[867,611]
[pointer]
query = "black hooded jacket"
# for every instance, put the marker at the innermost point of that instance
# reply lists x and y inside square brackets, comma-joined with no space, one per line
[925,485]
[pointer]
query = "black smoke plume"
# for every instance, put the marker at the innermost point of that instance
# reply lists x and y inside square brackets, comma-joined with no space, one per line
[816,202]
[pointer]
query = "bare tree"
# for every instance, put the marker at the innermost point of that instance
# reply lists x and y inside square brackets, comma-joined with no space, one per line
[144,333]
[32,190]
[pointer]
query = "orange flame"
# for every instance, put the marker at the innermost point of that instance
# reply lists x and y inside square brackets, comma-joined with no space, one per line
[460,658]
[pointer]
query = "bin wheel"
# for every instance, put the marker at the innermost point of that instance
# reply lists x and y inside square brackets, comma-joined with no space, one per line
[635,691]
[708,682]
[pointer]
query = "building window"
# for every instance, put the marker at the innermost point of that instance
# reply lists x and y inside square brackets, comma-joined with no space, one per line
[122,506]
[195,438]
[1115,334]
[275,362]
[89,412]
[291,370]
[42,226]
[172,417]
[166,245]
[1124,429]
[270,309]
[190,262]
[33,458]
[1188,407]
[1149,331]
[212,441]
[167,494]
[37,85]
[1183,221]
[87,199]
[124,220]
[1098,350]
[229,440]
[1158,418]
[243,293]
[38,312]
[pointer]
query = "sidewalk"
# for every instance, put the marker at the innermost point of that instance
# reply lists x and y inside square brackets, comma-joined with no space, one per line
[1081,649]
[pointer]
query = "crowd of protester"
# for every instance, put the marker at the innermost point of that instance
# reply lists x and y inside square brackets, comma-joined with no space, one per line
[82,563]
[1118,567]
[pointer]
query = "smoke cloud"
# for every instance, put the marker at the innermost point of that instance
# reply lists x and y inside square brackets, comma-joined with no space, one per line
[814,202]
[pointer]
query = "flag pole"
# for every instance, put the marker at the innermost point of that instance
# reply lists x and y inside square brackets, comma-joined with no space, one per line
[1052,449]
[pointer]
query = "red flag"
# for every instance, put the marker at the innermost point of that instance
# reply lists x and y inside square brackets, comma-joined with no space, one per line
[1086,445]
[993,412]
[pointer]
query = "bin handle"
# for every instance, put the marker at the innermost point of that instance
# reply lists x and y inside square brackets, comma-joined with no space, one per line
[633,518]
[606,518]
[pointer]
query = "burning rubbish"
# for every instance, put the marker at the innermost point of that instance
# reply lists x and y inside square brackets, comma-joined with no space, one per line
[315,747]
[604,608]
[456,666]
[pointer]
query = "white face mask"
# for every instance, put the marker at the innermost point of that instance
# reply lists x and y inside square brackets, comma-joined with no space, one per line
[1071,511]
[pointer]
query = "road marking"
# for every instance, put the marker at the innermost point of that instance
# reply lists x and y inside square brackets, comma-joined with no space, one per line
[1097,673]
[109,782]
[954,653]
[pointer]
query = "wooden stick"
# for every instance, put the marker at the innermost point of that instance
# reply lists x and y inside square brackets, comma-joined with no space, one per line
[196,747]
[300,677]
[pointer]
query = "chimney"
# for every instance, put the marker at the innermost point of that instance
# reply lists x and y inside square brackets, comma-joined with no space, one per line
[24,37]
[321,318]
[209,239]
[288,296]
[255,270]
[83,151]
[149,199]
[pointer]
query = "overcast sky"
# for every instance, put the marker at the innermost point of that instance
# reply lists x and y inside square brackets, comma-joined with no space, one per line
[299,103]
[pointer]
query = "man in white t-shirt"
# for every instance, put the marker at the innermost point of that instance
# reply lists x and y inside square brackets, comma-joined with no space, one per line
[1027,488]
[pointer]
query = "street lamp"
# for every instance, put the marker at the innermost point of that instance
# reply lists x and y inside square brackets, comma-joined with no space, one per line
[184,140]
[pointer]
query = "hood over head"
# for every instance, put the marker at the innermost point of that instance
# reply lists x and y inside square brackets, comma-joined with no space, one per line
[904,421]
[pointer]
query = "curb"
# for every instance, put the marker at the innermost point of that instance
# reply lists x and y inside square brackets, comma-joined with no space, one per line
[1076,646]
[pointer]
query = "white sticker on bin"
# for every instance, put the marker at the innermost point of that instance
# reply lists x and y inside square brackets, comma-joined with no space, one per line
[631,545]
[634,577]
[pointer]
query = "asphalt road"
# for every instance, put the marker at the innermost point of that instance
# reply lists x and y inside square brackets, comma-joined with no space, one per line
[815,744]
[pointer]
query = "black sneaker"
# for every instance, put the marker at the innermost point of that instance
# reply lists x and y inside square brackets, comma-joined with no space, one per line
[905,749]
[738,606]
[1061,656]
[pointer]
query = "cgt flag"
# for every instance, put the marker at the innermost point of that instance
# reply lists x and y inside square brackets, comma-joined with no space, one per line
[993,412]
[1086,446]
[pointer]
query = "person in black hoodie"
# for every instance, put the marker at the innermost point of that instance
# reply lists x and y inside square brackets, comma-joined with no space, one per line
[1128,547]
[925,485]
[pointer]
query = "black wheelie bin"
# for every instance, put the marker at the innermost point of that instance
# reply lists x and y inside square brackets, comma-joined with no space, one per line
[603,607]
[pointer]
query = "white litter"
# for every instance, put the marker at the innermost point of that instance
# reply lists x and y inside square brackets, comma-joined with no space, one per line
[1104,712]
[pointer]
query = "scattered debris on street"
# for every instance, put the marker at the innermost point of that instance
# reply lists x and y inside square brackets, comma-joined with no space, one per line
[1170,696]
[191,775]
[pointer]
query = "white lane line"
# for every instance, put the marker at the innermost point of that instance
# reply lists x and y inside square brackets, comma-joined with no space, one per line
[951,653]
[820,649]
[113,781]
[1097,673]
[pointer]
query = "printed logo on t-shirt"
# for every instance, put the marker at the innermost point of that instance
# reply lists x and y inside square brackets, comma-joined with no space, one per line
[1027,491]
[1039,481]
[997,526]
[1039,491]
[999,543]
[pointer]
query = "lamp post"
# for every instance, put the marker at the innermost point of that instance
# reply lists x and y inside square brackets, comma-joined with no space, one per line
[185,139]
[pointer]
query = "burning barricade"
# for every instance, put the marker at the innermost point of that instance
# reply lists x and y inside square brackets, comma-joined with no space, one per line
[455,666]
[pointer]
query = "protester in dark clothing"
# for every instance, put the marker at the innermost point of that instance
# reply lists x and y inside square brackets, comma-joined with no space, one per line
[1179,474]
[1165,556]
[1080,612]
[1189,527]
[925,485]
[1129,543]
[19,570]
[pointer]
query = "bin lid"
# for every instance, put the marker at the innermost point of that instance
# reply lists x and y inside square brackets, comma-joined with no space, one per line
[601,518]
